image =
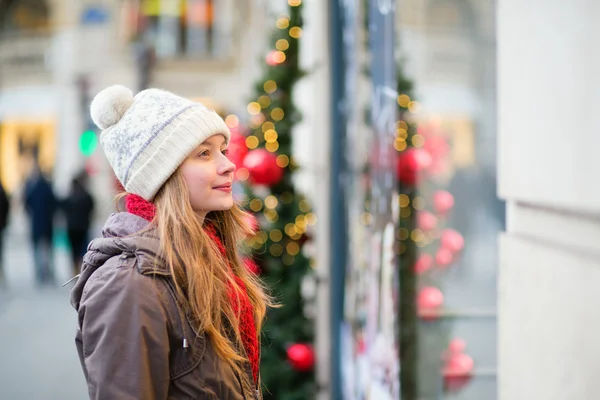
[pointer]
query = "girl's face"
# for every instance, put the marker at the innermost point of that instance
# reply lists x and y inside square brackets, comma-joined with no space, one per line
[209,175]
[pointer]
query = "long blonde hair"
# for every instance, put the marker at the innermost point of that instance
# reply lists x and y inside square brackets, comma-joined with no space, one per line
[201,274]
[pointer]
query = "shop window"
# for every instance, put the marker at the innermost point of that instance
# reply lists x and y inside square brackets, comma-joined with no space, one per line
[25,16]
[181,28]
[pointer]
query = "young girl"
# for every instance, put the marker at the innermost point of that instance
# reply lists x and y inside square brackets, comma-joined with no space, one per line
[166,309]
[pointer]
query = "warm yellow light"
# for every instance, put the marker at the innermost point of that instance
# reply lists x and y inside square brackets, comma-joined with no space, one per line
[366,218]
[271,215]
[402,234]
[264,101]
[232,121]
[290,229]
[416,235]
[255,204]
[275,235]
[282,45]
[294,3]
[295,32]
[402,125]
[311,219]
[278,57]
[301,221]
[418,140]
[282,23]
[403,100]
[271,201]
[277,114]
[272,146]
[283,160]
[414,106]
[292,248]
[270,86]
[304,205]
[271,136]
[399,144]
[403,200]
[268,125]
[253,108]
[252,142]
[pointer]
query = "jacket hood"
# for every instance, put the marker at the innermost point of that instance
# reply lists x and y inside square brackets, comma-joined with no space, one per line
[123,234]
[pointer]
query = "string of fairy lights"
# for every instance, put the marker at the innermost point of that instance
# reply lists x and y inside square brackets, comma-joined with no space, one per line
[263,125]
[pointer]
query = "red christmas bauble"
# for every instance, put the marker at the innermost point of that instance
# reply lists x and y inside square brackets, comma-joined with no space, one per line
[301,357]
[452,240]
[429,300]
[411,165]
[251,266]
[456,346]
[457,371]
[443,257]
[437,147]
[262,167]
[426,221]
[423,264]
[237,150]
[443,202]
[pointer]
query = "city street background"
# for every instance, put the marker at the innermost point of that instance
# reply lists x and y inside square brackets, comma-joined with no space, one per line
[38,358]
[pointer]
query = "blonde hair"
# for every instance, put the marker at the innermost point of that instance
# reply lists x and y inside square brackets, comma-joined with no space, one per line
[202,276]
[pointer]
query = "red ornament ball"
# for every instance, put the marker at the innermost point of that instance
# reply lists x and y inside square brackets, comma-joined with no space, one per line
[423,264]
[429,300]
[437,146]
[262,167]
[443,257]
[443,202]
[426,221]
[452,240]
[456,346]
[457,371]
[301,357]
[237,150]
[412,164]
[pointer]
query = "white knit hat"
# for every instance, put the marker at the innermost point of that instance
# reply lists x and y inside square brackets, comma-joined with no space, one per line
[146,137]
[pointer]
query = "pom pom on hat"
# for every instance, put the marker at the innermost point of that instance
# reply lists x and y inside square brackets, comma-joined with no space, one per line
[109,105]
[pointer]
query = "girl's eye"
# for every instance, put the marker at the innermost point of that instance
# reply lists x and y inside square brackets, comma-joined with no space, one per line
[225,152]
[205,153]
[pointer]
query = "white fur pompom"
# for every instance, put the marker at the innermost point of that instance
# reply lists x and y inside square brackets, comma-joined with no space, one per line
[109,105]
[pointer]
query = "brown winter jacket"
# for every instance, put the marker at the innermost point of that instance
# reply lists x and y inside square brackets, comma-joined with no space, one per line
[133,340]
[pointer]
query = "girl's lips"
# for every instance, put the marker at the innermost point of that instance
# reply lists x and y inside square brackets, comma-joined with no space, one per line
[224,188]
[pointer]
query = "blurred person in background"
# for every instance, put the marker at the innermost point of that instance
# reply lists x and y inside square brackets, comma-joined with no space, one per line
[4,211]
[78,208]
[166,308]
[40,204]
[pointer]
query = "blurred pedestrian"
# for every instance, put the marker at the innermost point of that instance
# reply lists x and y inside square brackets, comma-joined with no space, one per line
[4,212]
[78,208]
[166,308]
[40,204]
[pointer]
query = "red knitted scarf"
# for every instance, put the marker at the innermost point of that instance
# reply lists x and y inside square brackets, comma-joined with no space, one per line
[240,301]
